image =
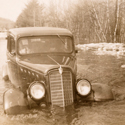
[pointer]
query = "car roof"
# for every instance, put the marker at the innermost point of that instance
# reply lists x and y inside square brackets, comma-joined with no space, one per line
[37,31]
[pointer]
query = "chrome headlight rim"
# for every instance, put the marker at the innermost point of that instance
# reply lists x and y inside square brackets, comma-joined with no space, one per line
[38,83]
[90,87]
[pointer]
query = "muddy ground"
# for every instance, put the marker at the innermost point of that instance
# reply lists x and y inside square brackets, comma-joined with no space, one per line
[98,63]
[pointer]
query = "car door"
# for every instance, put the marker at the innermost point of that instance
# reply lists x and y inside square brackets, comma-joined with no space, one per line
[11,61]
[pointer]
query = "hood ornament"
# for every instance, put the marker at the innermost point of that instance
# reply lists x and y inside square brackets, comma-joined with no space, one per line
[60,70]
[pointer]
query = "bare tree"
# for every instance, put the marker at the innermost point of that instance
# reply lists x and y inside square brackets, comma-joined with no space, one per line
[116,20]
[93,21]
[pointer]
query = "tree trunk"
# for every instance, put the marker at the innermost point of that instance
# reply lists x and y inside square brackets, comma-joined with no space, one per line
[98,22]
[116,20]
[108,28]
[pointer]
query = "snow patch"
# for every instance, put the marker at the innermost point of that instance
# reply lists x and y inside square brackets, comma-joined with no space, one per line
[115,49]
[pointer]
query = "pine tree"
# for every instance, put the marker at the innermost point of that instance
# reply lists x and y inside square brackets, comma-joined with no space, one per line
[30,15]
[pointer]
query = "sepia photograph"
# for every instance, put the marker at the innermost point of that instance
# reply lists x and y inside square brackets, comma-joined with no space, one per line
[62,62]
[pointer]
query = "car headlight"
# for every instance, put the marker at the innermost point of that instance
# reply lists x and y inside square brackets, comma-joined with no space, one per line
[37,90]
[83,87]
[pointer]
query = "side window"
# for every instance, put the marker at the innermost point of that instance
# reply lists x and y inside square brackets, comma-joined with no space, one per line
[12,45]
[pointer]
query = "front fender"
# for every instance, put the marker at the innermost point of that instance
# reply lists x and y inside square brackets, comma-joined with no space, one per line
[102,92]
[14,101]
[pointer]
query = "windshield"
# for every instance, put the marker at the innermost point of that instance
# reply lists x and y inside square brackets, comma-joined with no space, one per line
[45,44]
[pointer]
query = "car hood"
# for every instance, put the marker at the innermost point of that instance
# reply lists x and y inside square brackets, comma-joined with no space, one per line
[43,64]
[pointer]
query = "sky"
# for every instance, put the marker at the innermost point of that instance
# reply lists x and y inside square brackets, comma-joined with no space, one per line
[11,9]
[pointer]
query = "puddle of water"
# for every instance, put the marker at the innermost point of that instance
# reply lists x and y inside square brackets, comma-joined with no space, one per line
[50,116]
[61,115]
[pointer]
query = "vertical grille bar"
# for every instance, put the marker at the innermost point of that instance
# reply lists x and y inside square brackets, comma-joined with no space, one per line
[67,86]
[61,88]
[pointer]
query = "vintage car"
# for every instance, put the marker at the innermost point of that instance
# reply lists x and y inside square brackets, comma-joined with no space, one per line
[41,65]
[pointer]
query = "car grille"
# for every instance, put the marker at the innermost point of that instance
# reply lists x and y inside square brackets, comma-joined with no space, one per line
[61,88]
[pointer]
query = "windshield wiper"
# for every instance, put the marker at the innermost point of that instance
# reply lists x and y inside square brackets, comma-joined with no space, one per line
[61,39]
